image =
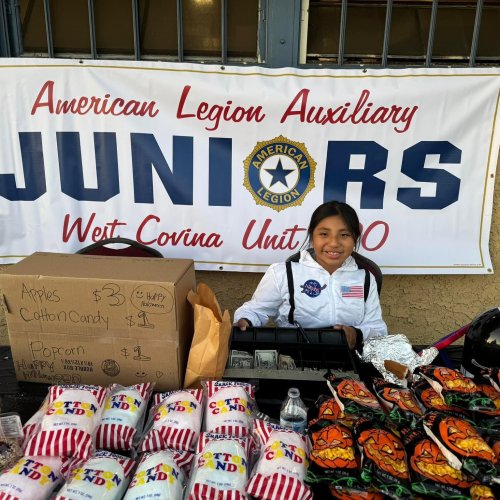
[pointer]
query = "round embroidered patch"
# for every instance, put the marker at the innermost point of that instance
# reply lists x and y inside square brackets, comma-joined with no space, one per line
[312,288]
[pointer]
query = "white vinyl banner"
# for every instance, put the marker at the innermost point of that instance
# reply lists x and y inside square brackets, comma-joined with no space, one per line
[225,165]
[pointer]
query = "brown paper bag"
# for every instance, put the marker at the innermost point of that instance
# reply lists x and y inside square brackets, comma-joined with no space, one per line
[210,346]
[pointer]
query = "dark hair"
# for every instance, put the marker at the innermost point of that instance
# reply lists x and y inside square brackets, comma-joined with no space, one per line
[340,208]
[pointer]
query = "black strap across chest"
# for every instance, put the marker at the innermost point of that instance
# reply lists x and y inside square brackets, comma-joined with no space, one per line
[291,290]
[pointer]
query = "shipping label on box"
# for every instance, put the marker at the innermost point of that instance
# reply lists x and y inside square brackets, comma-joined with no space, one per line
[96,319]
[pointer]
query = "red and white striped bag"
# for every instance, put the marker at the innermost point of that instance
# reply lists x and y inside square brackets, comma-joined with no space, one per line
[281,468]
[123,414]
[160,474]
[175,421]
[32,478]
[103,476]
[32,426]
[220,468]
[230,408]
[68,426]
[204,492]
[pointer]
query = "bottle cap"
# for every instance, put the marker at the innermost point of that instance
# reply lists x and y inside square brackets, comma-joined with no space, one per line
[293,392]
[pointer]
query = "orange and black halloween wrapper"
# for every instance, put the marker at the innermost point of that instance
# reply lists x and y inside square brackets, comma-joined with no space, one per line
[328,408]
[346,493]
[430,473]
[462,445]
[399,402]
[494,443]
[456,389]
[333,458]
[355,398]
[383,459]
[430,400]
[489,421]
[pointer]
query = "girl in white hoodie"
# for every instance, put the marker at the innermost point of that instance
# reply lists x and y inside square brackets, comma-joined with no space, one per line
[327,283]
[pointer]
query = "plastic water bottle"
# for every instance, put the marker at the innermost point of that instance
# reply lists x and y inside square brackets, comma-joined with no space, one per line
[293,414]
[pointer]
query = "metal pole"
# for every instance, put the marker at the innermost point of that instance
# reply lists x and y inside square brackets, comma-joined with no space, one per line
[180,38]
[343,24]
[475,34]
[304,27]
[387,33]
[15,29]
[137,33]
[93,49]
[4,32]
[262,33]
[224,31]
[48,27]
[432,30]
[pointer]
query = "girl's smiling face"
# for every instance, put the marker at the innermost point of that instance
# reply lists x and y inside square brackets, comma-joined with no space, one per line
[332,242]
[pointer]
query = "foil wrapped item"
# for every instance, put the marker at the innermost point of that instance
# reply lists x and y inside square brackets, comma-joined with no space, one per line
[397,348]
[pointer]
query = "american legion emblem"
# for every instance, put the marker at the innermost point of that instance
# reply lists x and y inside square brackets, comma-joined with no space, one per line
[279,173]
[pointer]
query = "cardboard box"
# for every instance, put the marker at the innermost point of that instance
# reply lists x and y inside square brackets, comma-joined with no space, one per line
[95,319]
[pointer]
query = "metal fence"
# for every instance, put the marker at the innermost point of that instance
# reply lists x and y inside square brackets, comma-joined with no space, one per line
[274,33]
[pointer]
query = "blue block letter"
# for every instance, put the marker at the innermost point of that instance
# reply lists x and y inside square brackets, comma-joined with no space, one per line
[178,181]
[70,165]
[219,166]
[338,174]
[33,168]
[447,185]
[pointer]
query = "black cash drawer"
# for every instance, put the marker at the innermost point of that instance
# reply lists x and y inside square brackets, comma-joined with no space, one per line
[311,349]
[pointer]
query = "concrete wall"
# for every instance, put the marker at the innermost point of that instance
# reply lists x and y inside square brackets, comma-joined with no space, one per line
[423,307]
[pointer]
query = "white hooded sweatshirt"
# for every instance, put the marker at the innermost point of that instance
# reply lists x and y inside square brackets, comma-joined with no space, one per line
[322,300]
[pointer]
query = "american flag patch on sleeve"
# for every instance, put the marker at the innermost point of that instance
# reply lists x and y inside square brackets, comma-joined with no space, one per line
[352,292]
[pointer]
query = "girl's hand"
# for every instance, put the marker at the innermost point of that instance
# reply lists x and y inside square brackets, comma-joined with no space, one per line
[350,334]
[243,324]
